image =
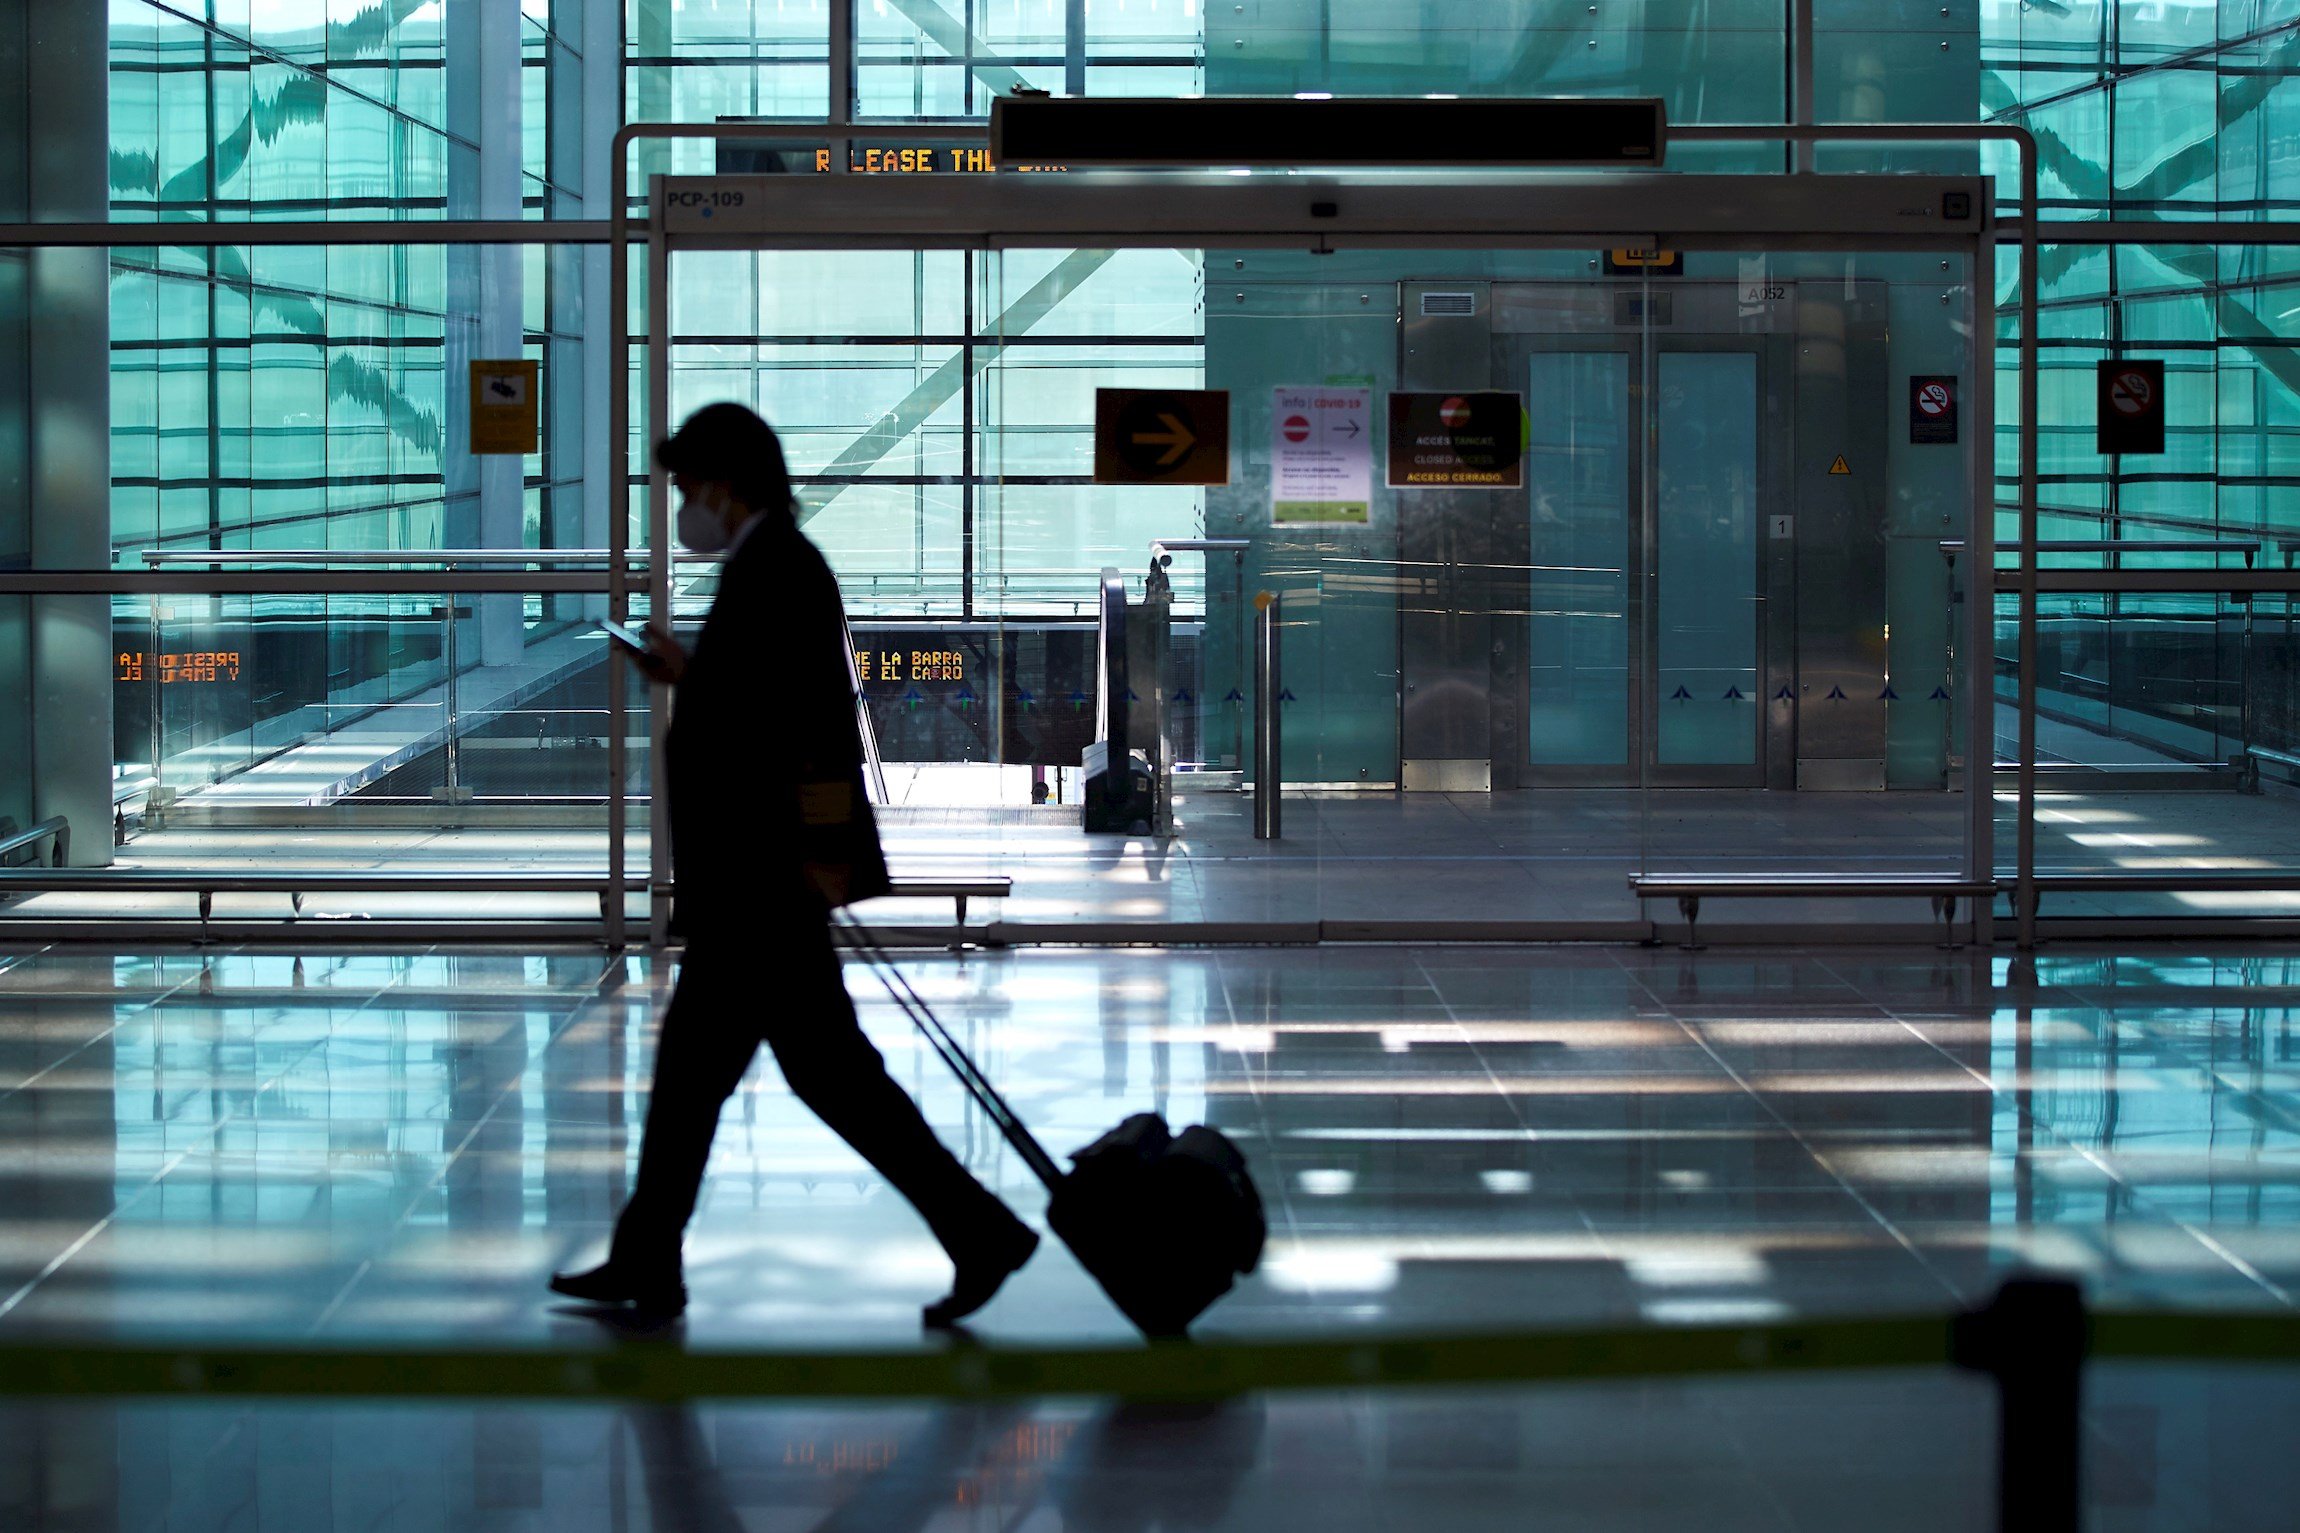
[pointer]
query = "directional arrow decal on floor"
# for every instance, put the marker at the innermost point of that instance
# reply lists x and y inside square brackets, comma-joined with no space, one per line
[1286,696]
[1681,696]
[1735,695]
[1836,695]
[914,698]
[1235,696]
[964,697]
[1183,695]
[1077,700]
[1888,695]
[1940,695]
[1025,697]
[1785,695]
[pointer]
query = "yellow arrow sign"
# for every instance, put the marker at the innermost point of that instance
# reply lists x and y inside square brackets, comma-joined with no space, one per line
[1161,436]
[1177,439]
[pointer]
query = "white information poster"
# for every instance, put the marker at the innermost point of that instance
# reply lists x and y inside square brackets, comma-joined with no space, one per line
[1321,457]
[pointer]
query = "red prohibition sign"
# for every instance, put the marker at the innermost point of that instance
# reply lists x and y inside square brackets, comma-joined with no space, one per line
[1933,399]
[1297,428]
[1454,412]
[2130,392]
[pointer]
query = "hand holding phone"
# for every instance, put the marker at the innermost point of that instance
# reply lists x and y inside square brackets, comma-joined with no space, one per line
[653,651]
[630,638]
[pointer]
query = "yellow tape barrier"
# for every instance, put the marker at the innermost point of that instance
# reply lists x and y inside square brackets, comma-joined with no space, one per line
[664,1370]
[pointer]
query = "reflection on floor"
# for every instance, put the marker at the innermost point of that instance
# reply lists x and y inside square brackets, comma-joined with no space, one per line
[239,1145]
[2171,1451]
[1554,860]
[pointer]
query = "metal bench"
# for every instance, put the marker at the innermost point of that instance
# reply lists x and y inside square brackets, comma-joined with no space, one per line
[958,890]
[296,885]
[1690,889]
[2175,881]
[55,830]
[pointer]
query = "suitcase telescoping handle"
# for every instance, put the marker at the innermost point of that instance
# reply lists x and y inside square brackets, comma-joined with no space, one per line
[938,1037]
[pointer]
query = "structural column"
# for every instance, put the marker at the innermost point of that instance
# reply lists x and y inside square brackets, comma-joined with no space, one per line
[486,497]
[602,115]
[55,424]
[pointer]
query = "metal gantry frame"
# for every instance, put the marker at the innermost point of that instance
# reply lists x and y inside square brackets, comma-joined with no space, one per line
[1668,216]
[1325,211]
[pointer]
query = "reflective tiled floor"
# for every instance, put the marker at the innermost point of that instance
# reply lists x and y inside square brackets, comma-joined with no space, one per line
[337,1147]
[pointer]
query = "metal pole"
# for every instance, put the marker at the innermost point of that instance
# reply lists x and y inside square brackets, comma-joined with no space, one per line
[1074,48]
[1238,657]
[1978,685]
[2243,682]
[1267,684]
[1949,685]
[2031,1339]
[843,75]
[2024,868]
[618,365]
[658,382]
[451,694]
[155,802]
[1801,78]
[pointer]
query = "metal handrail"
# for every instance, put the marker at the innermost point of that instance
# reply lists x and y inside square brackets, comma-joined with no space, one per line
[1115,686]
[2178,881]
[1200,545]
[56,826]
[592,557]
[2244,546]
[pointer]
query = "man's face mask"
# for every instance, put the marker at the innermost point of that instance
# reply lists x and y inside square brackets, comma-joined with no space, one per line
[699,525]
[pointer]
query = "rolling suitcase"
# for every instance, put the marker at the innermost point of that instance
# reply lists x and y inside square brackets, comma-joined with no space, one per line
[1165,1222]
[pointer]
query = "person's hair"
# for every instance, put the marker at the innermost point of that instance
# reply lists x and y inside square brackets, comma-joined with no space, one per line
[729,442]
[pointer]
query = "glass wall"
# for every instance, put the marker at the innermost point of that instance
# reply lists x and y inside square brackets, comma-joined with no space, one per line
[301,398]
[2166,720]
[894,378]
[312,399]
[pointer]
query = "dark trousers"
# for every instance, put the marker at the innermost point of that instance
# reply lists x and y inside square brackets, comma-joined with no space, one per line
[785,990]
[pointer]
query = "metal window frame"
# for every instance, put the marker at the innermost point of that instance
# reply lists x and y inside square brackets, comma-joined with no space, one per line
[2024,580]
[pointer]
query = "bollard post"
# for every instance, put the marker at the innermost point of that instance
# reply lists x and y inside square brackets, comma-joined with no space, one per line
[2030,1338]
[155,801]
[1266,688]
[454,774]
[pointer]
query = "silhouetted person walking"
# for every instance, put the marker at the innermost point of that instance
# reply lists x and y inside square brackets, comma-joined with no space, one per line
[770,831]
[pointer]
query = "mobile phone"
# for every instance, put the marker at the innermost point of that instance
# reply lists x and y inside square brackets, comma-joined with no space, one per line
[630,638]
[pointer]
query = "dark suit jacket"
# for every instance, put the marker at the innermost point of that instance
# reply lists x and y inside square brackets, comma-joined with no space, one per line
[765,760]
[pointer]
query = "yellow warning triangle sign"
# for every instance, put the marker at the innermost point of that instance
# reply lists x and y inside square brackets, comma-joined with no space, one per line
[1840,466]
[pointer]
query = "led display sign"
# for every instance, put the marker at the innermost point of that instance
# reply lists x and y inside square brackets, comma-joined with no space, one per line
[200,667]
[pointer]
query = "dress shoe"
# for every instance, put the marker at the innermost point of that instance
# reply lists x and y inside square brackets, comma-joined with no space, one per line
[660,1294]
[979,1276]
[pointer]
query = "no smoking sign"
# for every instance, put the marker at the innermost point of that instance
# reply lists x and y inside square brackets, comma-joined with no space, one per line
[1932,408]
[2131,406]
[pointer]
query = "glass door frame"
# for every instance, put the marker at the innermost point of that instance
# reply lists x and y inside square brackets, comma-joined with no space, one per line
[1322,211]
